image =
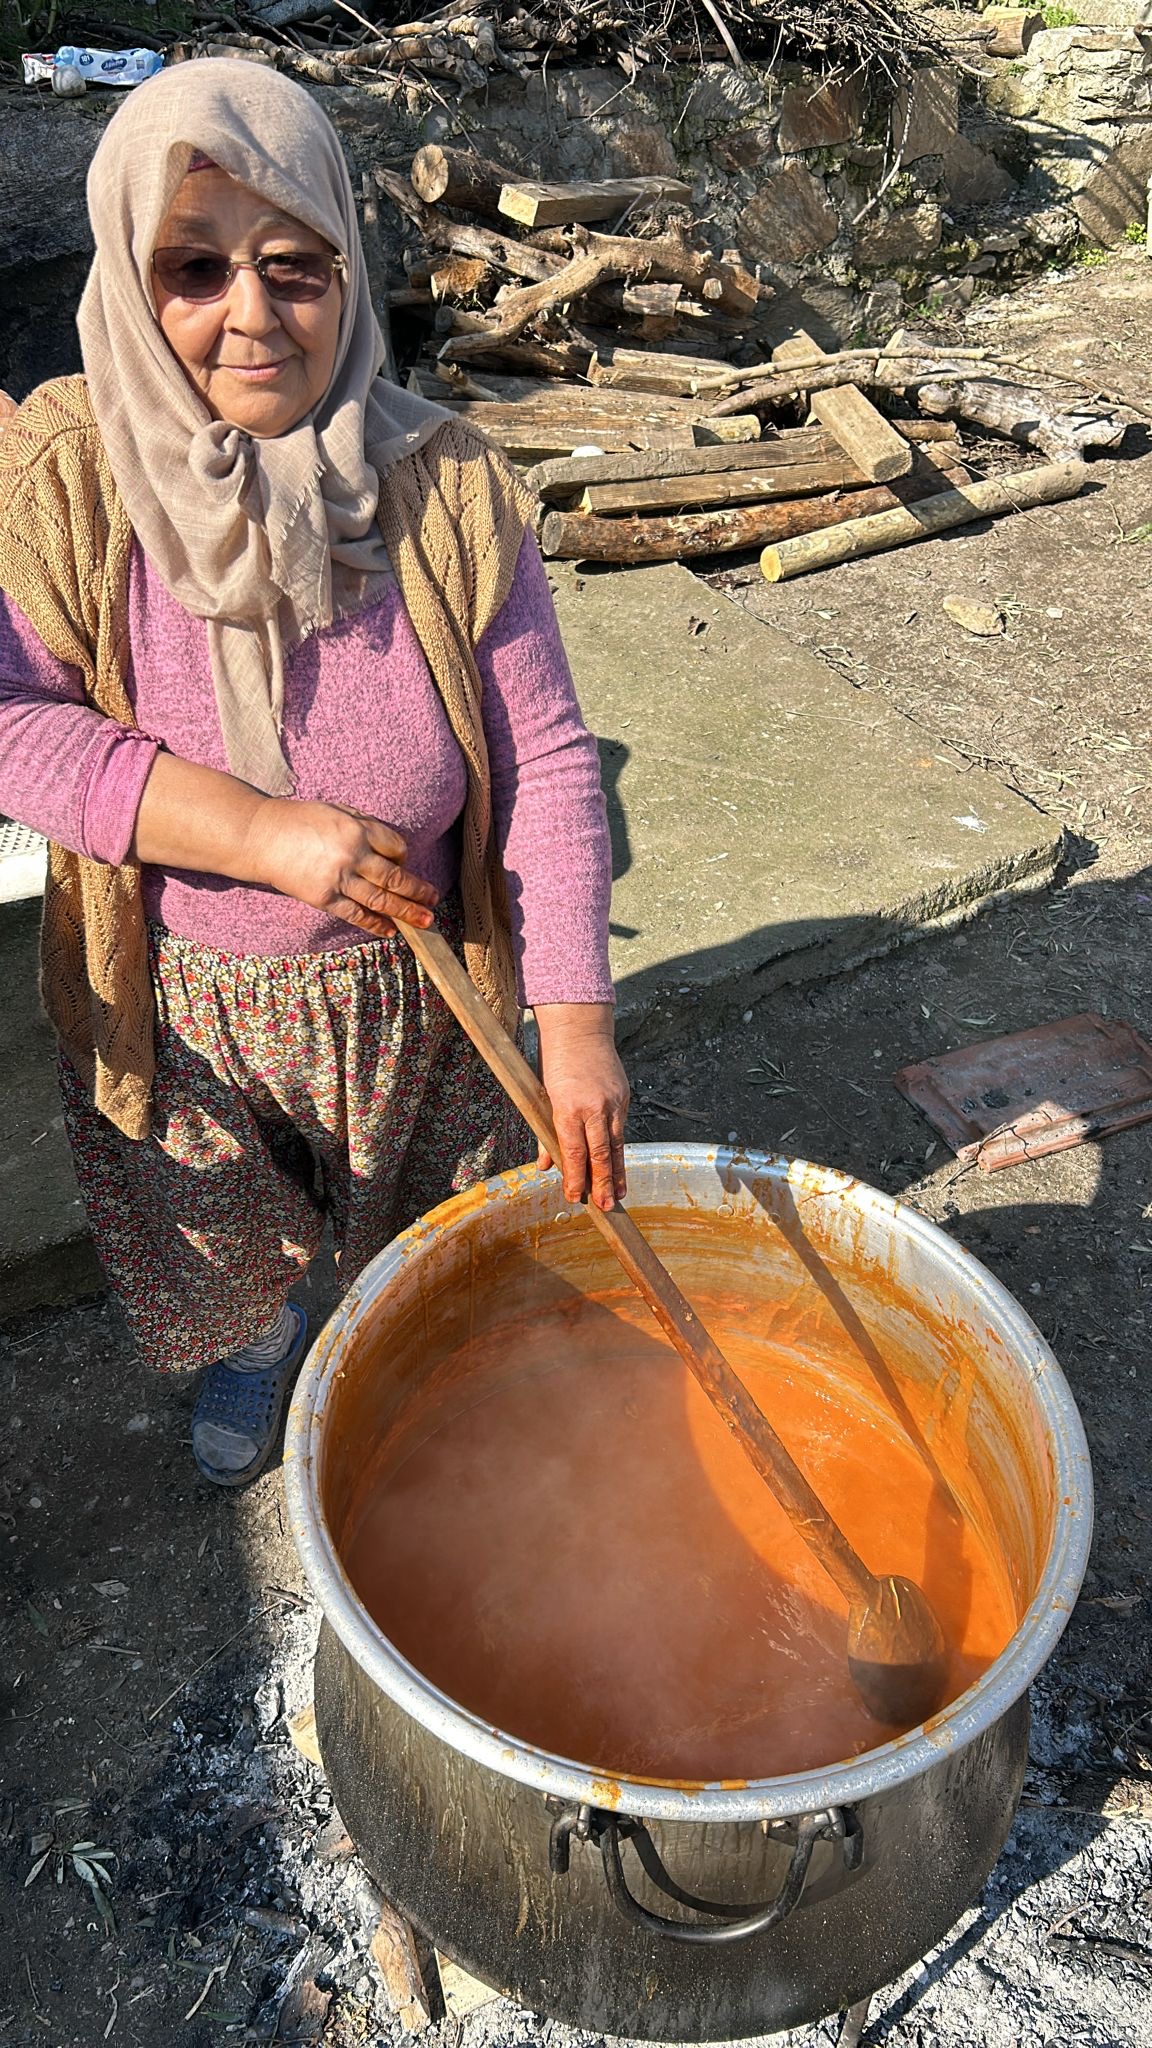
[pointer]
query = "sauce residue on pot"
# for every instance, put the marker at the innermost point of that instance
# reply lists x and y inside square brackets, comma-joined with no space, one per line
[567,1541]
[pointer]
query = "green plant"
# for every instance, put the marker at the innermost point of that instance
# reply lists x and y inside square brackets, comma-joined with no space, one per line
[1089,255]
[85,1860]
[1060,17]
[1136,233]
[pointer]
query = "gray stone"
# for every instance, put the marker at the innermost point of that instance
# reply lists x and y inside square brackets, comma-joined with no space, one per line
[743,149]
[770,824]
[925,113]
[814,116]
[882,310]
[1114,194]
[721,94]
[789,218]
[902,239]
[640,149]
[972,178]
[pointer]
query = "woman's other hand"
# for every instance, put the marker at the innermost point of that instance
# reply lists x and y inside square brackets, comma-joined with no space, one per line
[339,861]
[588,1090]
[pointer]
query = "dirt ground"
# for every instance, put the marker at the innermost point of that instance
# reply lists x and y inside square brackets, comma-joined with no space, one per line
[156,1635]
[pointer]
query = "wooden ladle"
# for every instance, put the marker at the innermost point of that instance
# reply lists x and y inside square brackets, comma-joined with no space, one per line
[895,1648]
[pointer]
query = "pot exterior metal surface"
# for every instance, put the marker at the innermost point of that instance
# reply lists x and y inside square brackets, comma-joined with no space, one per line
[648,1907]
[463,1851]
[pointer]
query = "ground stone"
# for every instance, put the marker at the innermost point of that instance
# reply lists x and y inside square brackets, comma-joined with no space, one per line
[789,218]
[817,119]
[925,113]
[723,94]
[1115,193]
[769,825]
[904,237]
[641,150]
[973,178]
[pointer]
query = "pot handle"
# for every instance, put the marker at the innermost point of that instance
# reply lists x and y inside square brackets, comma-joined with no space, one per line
[608,1830]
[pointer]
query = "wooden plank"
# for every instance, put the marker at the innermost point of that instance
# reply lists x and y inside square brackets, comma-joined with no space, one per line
[463,1993]
[524,440]
[749,483]
[549,440]
[572,536]
[546,206]
[725,487]
[393,1949]
[302,1733]
[861,430]
[636,369]
[560,480]
[800,554]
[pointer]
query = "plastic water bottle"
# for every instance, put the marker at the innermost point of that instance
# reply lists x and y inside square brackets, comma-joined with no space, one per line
[109,67]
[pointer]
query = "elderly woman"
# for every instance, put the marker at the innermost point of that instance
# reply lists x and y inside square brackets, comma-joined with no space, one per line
[279,672]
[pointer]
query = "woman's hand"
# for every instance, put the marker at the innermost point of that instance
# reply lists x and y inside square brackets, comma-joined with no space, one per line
[335,859]
[588,1090]
[339,861]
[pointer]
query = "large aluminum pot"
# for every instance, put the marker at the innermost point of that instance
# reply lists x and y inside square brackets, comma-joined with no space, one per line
[671,1911]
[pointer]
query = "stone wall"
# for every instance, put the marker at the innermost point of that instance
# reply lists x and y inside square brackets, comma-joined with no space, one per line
[865,207]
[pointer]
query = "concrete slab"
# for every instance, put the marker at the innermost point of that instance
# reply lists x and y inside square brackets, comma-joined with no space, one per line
[770,822]
[46,1255]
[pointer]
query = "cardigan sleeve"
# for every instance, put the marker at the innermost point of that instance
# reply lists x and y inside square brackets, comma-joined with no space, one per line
[549,812]
[65,769]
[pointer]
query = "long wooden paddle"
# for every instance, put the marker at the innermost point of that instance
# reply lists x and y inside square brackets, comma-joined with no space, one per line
[895,1647]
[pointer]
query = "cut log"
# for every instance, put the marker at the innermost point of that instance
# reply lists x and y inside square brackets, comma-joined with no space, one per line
[572,536]
[559,481]
[454,177]
[955,507]
[861,430]
[564,360]
[393,1949]
[921,431]
[1007,31]
[548,206]
[1062,433]
[459,277]
[464,238]
[752,481]
[609,258]
[675,376]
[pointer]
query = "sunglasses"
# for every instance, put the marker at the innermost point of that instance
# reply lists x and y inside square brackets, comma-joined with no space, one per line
[197,275]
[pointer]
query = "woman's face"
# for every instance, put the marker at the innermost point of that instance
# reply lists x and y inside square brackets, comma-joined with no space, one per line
[260,363]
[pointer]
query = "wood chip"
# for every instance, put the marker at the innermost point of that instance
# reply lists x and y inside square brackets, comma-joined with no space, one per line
[302,1729]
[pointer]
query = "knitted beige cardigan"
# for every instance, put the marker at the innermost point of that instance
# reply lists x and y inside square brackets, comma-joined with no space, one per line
[452,515]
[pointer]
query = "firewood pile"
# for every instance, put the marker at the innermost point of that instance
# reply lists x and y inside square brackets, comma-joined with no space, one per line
[627,368]
[464,44]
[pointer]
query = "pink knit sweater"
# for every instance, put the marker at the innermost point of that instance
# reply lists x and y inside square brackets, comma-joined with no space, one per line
[364,726]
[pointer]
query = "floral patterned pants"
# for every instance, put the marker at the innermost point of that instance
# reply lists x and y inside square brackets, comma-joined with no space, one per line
[288,1092]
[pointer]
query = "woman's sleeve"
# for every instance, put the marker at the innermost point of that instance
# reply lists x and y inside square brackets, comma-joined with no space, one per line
[65,769]
[549,812]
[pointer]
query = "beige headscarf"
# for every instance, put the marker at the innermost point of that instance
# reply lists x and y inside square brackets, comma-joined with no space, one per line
[243,532]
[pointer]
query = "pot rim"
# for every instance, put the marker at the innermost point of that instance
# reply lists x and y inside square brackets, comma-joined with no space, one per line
[779,1798]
